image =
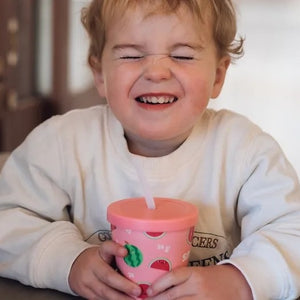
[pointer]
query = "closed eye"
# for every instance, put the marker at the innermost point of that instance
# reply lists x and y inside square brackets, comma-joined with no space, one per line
[131,57]
[181,57]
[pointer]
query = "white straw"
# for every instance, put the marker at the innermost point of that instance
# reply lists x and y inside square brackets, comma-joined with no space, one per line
[148,195]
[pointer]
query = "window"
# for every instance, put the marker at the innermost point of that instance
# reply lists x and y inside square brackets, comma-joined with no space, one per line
[37,67]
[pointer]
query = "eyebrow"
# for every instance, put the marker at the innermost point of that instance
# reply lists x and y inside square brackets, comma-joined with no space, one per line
[137,47]
[188,45]
[126,46]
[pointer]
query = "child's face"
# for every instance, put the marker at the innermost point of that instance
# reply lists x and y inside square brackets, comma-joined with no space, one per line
[159,58]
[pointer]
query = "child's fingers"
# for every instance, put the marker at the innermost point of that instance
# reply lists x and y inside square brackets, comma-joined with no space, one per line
[116,281]
[182,291]
[110,249]
[93,278]
[102,291]
[167,281]
[107,275]
[94,288]
[88,293]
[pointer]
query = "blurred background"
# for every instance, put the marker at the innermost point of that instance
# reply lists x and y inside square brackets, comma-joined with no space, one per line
[43,69]
[265,84]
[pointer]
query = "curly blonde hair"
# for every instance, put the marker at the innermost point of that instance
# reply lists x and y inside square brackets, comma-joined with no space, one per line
[95,18]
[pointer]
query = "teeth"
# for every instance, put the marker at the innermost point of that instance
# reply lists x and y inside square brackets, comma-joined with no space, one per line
[157,99]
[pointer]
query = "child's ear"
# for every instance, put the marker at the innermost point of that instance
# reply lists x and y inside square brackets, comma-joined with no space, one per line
[99,82]
[221,70]
[98,77]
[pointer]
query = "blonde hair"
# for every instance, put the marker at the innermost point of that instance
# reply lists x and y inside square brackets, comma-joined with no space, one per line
[96,16]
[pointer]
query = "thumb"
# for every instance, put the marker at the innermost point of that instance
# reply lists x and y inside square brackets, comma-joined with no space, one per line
[109,249]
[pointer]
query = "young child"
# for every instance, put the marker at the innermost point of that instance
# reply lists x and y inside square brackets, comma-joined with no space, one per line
[158,63]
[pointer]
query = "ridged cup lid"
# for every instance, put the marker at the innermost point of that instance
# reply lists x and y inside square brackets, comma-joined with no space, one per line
[169,215]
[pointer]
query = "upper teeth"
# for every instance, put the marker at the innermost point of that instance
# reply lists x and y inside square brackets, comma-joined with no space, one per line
[157,99]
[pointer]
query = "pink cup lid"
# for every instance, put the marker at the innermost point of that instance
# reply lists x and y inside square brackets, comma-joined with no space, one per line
[169,215]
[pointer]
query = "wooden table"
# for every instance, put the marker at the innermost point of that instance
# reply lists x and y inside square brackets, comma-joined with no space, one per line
[14,290]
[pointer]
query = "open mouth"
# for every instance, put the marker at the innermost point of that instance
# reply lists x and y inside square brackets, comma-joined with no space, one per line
[154,100]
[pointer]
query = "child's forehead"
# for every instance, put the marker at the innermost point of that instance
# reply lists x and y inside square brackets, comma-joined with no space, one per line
[113,13]
[136,22]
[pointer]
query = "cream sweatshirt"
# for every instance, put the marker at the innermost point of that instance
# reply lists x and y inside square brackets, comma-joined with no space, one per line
[56,186]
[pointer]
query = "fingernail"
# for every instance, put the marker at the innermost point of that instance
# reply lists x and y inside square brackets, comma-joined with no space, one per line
[149,292]
[136,292]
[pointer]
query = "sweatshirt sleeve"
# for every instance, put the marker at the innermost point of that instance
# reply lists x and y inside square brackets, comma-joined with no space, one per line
[268,212]
[38,241]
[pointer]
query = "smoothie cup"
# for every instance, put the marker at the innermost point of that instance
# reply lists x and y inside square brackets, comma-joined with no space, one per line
[157,240]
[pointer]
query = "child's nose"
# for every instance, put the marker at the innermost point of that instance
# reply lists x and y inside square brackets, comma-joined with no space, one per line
[157,68]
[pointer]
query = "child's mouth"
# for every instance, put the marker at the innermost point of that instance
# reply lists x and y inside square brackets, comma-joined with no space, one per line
[154,100]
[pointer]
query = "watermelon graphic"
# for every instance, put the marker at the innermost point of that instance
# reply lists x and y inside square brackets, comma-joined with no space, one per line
[191,234]
[154,235]
[144,287]
[161,264]
[134,257]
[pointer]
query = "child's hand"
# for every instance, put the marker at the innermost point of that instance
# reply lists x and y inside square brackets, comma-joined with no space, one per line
[92,277]
[215,282]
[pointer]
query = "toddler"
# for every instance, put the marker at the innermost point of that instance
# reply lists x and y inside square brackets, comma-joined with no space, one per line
[157,63]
